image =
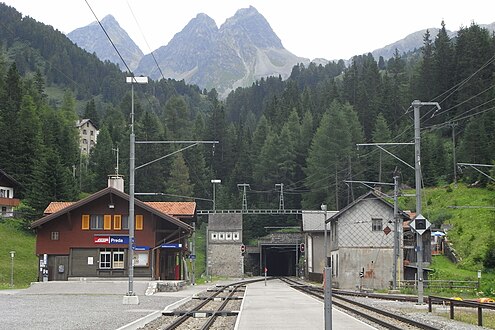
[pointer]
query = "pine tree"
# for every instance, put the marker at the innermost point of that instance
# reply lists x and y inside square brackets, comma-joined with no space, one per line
[29,141]
[381,133]
[179,182]
[102,162]
[91,113]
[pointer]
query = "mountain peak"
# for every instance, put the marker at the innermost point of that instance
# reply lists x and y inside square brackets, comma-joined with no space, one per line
[249,23]
[109,18]
[94,40]
[247,11]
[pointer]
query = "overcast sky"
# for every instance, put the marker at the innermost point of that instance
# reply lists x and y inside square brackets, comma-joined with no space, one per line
[307,28]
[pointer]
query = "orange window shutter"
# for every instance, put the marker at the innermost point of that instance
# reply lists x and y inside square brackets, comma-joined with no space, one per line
[117,222]
[139,222]
[107,222]
[85,222]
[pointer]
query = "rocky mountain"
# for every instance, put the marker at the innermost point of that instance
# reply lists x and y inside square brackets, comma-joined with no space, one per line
[243,49]
[409,43]
[92,39]
[415,41]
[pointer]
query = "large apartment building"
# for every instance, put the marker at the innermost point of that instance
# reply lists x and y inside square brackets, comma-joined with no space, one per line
[88,134]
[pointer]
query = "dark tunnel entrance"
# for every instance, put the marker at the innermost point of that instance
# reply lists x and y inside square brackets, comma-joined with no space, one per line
[280,260]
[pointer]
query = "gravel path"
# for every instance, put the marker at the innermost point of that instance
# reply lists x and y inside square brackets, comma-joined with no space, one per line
[75,305]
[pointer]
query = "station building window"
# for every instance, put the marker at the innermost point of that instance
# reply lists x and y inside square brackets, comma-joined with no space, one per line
[55,236]
[125,222]
[96,221]
[376,224]
[112,258]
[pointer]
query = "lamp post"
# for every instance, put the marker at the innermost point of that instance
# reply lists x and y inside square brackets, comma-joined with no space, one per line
[214,182]
[327,276]
[131,297]
[12,254]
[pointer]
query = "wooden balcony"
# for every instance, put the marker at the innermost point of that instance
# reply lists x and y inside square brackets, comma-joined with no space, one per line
[9,201]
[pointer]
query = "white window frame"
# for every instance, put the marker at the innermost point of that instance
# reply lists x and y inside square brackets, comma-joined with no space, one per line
[118,259]
[55,236]
[105,259]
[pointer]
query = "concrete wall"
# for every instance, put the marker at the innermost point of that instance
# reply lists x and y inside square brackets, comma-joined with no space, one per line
[225,259]
[224,244]
[377,264]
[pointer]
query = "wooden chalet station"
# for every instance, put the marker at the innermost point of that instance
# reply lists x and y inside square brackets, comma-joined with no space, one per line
[90,238]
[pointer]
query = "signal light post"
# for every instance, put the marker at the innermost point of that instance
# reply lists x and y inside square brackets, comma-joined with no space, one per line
[243,250]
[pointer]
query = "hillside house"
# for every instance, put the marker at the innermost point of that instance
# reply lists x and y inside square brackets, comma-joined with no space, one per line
[7,200]
[88,134]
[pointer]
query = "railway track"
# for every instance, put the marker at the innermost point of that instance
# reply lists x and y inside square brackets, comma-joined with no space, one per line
[217,308]
[378,316]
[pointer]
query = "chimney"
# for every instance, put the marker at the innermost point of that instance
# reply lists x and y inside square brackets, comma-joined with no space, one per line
[116,181]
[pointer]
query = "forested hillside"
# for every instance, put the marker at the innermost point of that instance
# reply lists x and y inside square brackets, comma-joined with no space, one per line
[301,132]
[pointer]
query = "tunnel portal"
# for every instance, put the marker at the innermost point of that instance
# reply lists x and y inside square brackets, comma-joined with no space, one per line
[280,260]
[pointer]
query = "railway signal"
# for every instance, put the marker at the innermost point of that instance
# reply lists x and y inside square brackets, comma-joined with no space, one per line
[420,224]
[243,248]
[301,247]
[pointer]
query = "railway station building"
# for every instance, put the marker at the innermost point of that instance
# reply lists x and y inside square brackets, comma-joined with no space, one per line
[360,244]
[90,238]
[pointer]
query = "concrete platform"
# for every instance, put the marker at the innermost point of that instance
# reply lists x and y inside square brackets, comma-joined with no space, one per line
[278,306]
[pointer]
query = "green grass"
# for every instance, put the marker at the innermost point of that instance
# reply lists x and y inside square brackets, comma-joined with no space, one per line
[200,252]
[469,316]
[444,269]
[13,238]
[472,228]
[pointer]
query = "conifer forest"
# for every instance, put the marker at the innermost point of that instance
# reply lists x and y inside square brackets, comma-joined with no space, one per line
[301,132]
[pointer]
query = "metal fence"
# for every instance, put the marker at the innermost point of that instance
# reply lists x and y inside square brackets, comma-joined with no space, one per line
[442,284]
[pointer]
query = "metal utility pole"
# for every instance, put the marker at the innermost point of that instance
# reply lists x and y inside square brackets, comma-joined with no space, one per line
[193,250]
[117,165]
[131,297]
[453,125]
[417,161]
[244,195]
[327,276]
[214,182]
[281,205]
[396,230]
[12,254]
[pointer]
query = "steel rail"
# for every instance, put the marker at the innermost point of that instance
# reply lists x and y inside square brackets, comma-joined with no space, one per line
[215,314]
[317,292]
[190,313]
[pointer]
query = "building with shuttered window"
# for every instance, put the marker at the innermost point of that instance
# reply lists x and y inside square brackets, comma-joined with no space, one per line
[90,238]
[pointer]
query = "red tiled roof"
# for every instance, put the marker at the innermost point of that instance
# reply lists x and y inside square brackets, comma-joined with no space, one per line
[56,206]
[69,206]
[170,208]
[174,208]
